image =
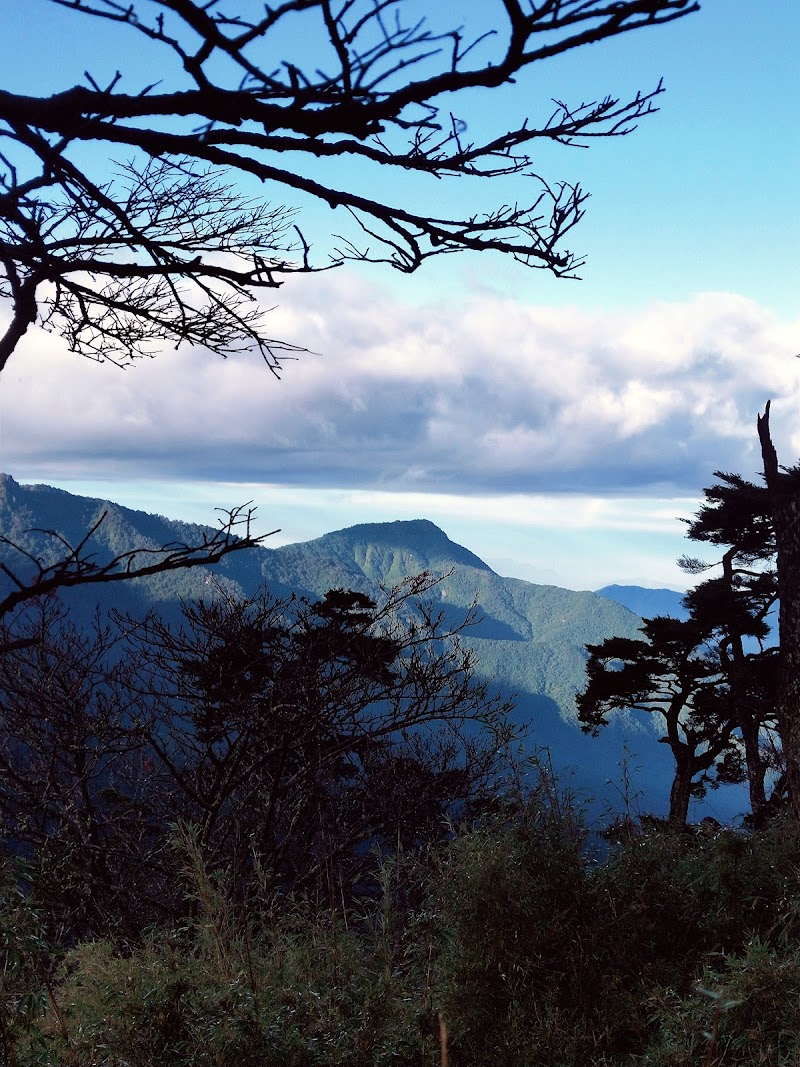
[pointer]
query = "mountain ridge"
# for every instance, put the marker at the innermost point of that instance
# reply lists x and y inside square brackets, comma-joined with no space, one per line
[531,638]
[647,602]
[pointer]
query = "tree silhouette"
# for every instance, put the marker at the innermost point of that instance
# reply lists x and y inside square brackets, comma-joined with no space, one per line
[303,732]
[169,250]
[669,672]
[295,738]
[714,676]
[734,607]
[783,492]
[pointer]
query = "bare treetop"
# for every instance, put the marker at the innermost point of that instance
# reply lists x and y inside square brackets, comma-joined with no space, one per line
[171,251]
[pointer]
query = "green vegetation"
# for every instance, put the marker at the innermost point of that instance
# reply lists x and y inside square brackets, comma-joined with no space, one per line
[289,830]
[676,949]
[715,677]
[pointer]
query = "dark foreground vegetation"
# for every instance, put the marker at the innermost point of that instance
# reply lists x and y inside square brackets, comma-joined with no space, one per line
[277,831]
[286,832]
[506,944]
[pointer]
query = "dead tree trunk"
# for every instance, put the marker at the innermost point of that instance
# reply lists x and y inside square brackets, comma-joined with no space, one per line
[783,487]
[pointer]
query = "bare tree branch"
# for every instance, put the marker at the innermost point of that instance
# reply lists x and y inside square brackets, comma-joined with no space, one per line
[170,251]
[79,565]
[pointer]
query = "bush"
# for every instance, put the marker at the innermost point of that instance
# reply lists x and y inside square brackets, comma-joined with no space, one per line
[24,962]
[515,975]
[534,955]
[221,992]
[550,959]
[744,1011]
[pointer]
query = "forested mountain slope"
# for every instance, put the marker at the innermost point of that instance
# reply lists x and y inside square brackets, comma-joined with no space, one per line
[530,638]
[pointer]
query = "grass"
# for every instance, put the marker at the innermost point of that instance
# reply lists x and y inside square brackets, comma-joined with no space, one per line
[504,947]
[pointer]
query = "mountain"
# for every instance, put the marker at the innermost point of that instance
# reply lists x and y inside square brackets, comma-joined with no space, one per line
[646,602]
[531,638]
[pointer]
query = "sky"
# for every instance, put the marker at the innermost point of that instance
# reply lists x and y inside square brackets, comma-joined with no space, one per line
[559,429]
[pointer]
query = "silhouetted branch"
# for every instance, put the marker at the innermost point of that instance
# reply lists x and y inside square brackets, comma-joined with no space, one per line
[170,252]
[78,565]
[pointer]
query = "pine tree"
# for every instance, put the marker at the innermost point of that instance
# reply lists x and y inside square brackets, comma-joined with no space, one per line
[673,673]
[735,606]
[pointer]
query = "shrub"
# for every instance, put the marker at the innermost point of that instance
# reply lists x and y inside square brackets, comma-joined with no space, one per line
[514,977]
[744,1011]
[220,992]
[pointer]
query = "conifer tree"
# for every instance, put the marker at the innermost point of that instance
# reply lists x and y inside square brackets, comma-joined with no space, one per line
[783,494]
[734,606]
[673,673]
[712,677]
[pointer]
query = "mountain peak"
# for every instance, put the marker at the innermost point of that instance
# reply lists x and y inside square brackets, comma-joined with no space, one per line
[393,550]
[7,485]
[388,552]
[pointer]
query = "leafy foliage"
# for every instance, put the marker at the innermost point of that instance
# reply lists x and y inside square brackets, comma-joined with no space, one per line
[297,736]
[529,952]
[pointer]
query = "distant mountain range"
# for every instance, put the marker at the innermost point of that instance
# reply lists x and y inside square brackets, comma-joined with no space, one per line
[531,639]
[646,602]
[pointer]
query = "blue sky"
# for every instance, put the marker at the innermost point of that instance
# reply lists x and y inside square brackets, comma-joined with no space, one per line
[558,429]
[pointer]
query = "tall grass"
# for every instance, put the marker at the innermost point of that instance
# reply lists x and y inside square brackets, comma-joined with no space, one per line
[506,946]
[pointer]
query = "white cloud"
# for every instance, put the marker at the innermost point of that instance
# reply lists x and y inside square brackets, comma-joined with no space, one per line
[483,395]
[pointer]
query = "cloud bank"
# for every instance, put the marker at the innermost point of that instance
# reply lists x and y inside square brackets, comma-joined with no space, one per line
[484,396]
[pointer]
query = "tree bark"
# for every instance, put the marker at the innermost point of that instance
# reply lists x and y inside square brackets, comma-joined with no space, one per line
[784,494]
[754,763]
[748,723]
[25,312]
[679,796]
